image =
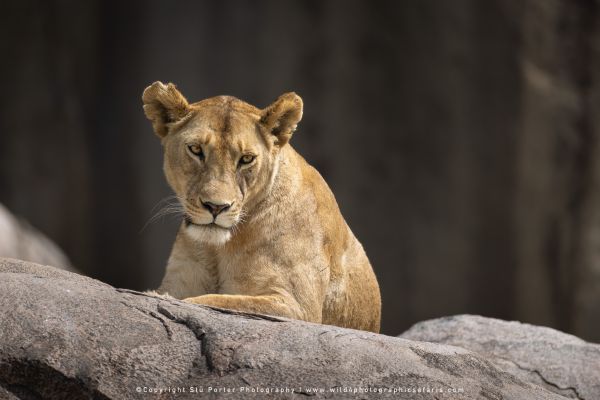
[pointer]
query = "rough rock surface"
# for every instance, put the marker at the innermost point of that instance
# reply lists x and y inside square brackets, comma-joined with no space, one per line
[66,336]
[557,361]
[20,240]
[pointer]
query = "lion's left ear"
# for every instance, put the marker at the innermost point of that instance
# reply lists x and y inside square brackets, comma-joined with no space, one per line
[164,104]
[282,117]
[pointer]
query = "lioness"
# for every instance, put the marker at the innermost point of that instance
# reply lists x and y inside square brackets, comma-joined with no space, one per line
[262,232]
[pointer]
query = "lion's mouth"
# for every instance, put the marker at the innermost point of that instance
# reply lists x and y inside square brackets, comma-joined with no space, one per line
[189,222]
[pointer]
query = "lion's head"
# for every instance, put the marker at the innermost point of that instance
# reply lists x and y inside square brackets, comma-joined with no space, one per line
[220,154]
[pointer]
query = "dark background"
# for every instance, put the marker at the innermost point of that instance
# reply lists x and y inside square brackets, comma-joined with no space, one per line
[460,137]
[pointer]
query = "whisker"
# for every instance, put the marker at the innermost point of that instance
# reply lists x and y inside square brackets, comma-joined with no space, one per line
[241,218]
[167,207]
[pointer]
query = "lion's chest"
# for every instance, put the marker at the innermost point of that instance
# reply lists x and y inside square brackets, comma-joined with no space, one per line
[223,276]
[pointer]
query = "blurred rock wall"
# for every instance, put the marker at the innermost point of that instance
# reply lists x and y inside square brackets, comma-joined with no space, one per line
[21,241]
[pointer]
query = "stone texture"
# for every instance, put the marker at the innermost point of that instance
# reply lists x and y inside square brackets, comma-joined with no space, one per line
[66,336]
[557,361]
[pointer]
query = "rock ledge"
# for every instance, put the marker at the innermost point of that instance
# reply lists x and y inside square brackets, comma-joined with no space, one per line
[65,336]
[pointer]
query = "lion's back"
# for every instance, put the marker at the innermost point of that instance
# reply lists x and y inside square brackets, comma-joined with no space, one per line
[352,298]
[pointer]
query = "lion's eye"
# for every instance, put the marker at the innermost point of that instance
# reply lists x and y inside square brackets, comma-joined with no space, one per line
[247,159]
[196,150]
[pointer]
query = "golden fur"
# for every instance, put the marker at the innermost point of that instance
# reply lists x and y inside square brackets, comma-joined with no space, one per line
[280,245]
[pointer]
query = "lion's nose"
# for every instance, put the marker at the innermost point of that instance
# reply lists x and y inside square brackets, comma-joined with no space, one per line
[215,209]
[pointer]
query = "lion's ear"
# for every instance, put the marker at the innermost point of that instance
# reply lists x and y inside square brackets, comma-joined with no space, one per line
[164,104]
[281,117]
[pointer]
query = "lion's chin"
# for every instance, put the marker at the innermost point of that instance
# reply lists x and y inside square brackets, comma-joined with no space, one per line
[209,234]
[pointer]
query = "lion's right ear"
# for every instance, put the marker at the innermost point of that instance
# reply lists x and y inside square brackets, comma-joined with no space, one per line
[163,105]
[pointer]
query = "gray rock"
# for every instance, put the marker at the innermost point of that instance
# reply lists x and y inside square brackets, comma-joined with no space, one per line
[18,239]
[66,336]
[557,361]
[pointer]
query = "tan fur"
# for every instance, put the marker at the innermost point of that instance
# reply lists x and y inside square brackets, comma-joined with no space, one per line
[282,247]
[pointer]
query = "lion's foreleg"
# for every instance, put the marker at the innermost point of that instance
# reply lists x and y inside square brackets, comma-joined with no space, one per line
[270,305]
